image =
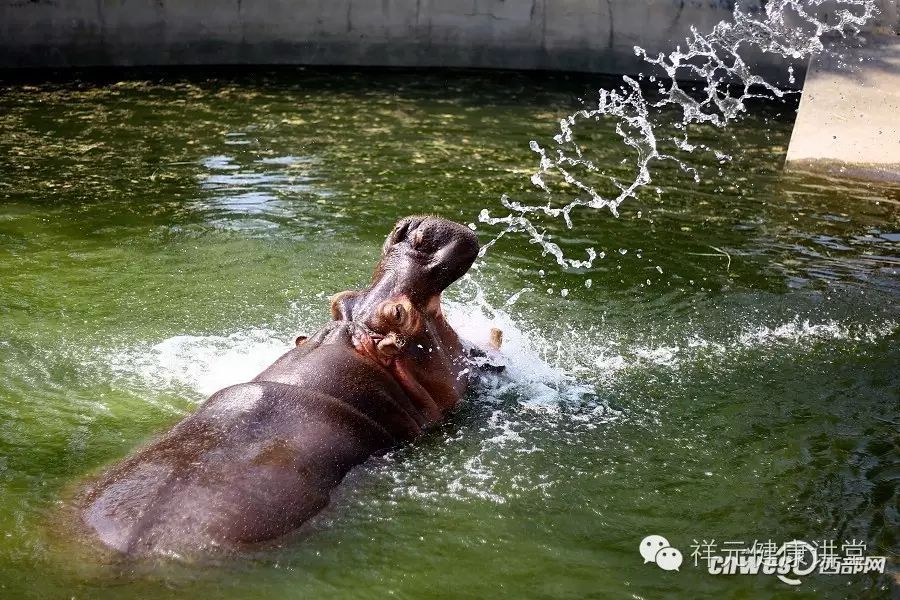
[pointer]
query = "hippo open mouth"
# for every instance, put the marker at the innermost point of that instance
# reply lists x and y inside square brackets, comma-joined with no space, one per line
[420,258]
[260,458]
[397,321]
[402,325]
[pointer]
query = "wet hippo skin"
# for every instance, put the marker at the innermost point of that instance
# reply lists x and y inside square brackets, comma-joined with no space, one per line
[258,459]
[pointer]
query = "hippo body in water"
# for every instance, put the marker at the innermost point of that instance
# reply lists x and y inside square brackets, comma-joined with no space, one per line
[260,458]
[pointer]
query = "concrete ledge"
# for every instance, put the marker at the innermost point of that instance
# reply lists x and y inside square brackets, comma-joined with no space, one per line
[849,117]
[844,170]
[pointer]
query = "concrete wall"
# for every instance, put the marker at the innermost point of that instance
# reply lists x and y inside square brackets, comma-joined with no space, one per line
[848,124]
[578,35]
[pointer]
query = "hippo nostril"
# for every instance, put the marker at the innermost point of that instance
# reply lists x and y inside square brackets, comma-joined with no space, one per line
[401,230]
[417,239]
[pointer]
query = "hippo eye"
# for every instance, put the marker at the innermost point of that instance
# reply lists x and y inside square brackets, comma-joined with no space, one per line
[417,239]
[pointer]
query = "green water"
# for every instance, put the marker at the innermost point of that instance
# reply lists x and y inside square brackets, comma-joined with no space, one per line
[731,373]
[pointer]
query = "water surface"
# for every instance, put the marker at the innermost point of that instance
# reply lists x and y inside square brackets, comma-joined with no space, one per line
[728,371]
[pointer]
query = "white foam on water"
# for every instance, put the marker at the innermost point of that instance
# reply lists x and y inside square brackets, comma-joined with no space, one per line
[200,363]
[802,330]
[665,356]
[560,385]
[576,367]
[548,384]
[541,373]
[614,358]
[537,370]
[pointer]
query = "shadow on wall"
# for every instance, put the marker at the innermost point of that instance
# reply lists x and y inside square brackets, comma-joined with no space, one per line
[577,35]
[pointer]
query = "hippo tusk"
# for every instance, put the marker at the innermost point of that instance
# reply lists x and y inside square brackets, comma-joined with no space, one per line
[391,345]
[496,338]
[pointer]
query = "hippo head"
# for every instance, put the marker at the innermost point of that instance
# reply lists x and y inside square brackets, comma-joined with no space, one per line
[397,321]
[420,258]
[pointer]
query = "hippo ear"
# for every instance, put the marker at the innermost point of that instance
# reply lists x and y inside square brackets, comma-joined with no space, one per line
[496,338]
[342,305]
[300,339]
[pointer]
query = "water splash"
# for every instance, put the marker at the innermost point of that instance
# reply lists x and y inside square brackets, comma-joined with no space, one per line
[559,387]
[545,373]
[199,364]
[793,29]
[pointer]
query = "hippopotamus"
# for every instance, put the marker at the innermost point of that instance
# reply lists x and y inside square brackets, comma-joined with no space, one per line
[258,459]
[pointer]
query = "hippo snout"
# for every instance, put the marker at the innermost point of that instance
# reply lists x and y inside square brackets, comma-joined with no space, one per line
[429,235]
[421,256]
[429,252]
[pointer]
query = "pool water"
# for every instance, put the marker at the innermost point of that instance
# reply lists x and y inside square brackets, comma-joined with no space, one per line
[729,371]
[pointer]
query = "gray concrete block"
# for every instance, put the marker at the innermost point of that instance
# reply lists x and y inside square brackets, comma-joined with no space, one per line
[848,123]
